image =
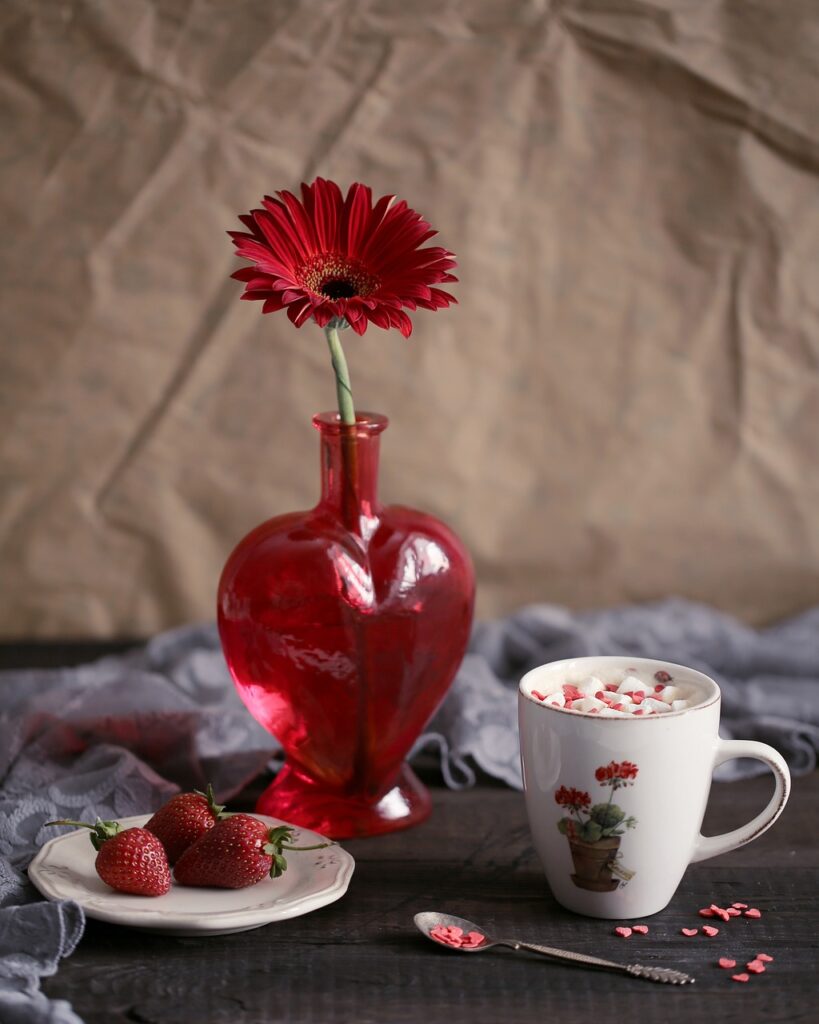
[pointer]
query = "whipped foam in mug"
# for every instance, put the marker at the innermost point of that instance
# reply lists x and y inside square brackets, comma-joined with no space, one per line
[621,693]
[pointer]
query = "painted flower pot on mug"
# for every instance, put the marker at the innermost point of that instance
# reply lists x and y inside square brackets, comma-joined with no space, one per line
[344,625]
[616,779]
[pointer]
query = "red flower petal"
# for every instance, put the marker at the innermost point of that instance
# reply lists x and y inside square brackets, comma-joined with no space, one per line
[357,208]
[379,317]
[297,312]
[301,222]
[401,321]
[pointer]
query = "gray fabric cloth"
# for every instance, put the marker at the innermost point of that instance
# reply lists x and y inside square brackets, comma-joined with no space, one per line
[121,735]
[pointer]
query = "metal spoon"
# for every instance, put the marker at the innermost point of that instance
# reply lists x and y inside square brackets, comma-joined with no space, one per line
[428,920]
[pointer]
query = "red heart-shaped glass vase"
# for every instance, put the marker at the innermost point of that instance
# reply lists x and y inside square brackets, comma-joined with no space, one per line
[343,628]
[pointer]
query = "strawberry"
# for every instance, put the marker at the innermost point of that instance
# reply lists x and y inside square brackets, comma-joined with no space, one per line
[129,860]
[238,851]
[185,818]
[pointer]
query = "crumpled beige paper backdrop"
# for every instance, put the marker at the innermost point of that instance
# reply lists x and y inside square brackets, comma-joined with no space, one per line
[624,405]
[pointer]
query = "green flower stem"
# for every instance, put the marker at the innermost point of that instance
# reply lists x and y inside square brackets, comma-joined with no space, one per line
[346,409]
[349,456]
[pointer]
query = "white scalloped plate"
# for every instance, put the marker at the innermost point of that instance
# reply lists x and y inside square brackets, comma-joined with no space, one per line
[64,870]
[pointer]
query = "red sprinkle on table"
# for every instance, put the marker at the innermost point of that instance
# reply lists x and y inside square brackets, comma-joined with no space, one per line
[755,966]
[726,963]
[706,912]
[642,929]
[710,930]
[740,977]
[764,958]
[689,931]
[740,906]
[732,912]
[623,932]
[753,912]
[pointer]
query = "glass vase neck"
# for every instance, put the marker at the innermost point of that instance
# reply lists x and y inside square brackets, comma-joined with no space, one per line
[349,468]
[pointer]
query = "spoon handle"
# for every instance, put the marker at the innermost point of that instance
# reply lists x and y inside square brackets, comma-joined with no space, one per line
[662,974]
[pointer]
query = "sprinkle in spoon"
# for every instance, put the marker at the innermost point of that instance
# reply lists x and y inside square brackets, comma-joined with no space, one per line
[457,933]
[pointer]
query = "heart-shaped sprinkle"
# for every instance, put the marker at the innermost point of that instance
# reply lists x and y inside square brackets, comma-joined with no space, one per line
[756,966]
[689,931]
[740,977]
[740,906]
[726,963]
[765,958]
[710,930]
[539,695]
[753,912]
[706,912]
[622,932]
[733,912]
[641,929]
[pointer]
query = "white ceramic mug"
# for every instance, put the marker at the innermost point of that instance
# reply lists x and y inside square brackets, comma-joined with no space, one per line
[654,770]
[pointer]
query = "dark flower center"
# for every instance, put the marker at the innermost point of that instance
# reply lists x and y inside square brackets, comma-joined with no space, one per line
[337,277]
[337,289]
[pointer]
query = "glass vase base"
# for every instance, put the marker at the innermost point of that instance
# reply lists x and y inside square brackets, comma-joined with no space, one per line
[298,800]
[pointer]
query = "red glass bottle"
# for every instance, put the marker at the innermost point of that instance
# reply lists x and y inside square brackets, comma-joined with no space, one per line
[343,628]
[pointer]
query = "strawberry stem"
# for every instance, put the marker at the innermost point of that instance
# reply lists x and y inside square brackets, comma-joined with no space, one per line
[101,831]
[217,810]
[277,841]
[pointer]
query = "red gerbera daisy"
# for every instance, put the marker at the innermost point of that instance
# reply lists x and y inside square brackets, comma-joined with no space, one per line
[339,260]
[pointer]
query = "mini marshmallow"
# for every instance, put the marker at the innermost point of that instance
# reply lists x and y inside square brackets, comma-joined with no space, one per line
[611,713]
[556,698]
[671,693]
[652,704]
[589,686]
[680,705]
[631,684]
[588,704]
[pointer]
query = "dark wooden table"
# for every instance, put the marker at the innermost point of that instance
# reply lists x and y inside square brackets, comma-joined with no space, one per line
[361,960]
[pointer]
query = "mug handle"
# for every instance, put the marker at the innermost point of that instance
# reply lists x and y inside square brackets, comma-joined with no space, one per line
[712,846]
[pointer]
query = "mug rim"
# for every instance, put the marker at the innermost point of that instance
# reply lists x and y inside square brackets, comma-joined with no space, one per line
[711,684]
